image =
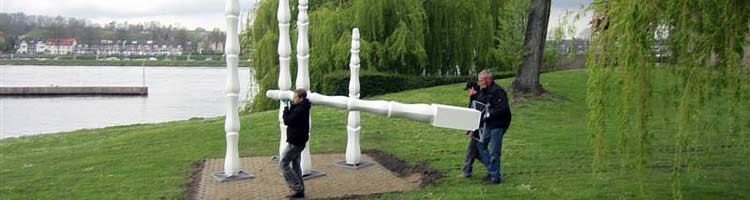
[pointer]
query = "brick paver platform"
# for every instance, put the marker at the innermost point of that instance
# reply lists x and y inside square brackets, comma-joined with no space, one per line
[269,184]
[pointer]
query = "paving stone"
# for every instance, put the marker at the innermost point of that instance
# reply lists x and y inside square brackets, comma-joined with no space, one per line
[268,184]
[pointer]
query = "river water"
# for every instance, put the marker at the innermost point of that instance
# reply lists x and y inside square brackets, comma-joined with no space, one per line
[175,93]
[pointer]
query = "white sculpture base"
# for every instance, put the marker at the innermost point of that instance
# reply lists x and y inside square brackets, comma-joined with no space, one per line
[275,159]
[313,174]
[362,164]
[221,177]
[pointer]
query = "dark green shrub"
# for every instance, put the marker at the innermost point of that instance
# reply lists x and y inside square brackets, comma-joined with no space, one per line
[375,83]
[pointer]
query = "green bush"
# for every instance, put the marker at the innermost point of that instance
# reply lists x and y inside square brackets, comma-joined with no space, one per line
[375,83]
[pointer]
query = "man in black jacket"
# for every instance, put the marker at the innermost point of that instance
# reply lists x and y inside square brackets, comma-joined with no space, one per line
[297,119]
[495,121]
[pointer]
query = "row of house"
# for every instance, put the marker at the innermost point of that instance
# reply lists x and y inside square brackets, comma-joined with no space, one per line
[51,46]
[70,46]
[128,48]
[567,46]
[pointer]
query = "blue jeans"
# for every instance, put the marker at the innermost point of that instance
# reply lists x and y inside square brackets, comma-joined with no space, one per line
[290,166]
[490,150]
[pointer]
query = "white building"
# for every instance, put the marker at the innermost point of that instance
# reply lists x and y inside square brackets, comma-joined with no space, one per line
[62,46]
[23,48]
[41,47]
[68,46]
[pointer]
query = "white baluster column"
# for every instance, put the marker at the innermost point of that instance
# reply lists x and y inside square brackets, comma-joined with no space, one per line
[285,79]
[232,169]
[303,73]
[353,154]
[303,81]
[353,128]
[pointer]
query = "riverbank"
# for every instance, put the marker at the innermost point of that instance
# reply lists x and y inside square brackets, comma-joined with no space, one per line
[546,154]
[82,62]
[174,93]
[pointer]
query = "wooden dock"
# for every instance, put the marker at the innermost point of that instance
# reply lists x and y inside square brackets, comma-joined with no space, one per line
[74,90]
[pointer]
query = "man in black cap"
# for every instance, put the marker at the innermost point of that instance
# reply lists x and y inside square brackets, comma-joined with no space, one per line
[472,151]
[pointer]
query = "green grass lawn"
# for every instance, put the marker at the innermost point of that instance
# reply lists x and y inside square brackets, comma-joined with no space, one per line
[547,153]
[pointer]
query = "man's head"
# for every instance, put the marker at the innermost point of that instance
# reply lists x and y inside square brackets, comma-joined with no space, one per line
[471,87]
[299,95]
[485,78]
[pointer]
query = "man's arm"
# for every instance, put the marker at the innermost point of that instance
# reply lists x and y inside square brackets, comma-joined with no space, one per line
[472,98]
[499,102]
[290,116]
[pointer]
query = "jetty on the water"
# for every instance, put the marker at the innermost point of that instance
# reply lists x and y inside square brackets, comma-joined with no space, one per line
[74,90]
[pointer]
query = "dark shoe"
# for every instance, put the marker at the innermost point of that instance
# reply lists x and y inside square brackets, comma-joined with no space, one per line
[492,182]
[486,178]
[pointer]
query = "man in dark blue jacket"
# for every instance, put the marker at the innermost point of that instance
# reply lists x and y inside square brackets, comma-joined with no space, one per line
[297,119]
[495,121]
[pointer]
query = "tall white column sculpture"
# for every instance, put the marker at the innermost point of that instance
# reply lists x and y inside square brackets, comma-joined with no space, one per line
[436,114]
[285,81]
[303,81]
[353,128]
[353,154]
[232,169]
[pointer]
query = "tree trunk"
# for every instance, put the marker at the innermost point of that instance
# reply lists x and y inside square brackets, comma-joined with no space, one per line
[527,76]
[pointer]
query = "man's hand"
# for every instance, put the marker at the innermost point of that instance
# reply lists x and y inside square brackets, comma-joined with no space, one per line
[472,91]
[468,133]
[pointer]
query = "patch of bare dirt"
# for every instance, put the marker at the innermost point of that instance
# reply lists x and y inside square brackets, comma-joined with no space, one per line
[403,169]
[194,180]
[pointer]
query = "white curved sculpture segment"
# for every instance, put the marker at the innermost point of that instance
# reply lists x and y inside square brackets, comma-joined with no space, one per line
[303,73]
[353,129]
[232,122]
[303,48]
[437,114]
[285,79]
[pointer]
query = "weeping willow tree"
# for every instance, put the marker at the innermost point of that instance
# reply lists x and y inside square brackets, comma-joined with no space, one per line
[472,19]
[704,44]
[408,37]
[392,39]
[511,20]
[394,33]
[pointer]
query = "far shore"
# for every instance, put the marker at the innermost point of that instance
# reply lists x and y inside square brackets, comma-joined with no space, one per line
[81,62]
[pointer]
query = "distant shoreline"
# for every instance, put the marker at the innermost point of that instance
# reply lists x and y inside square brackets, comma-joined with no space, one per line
[174,63]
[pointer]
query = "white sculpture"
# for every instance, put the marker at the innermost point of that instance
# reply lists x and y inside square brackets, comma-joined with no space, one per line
[436,114]
[353,128]
[232,123]
[303,80]
[285,81]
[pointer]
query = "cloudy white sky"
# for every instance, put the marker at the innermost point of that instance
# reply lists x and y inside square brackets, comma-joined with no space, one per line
[186,13]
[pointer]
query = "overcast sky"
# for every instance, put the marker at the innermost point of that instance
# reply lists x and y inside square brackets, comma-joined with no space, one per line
[185,13]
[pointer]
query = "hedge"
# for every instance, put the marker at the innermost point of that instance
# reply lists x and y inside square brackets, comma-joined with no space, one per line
[376,83]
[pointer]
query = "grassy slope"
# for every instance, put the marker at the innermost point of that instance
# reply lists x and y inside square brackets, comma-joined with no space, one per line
[547,153]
